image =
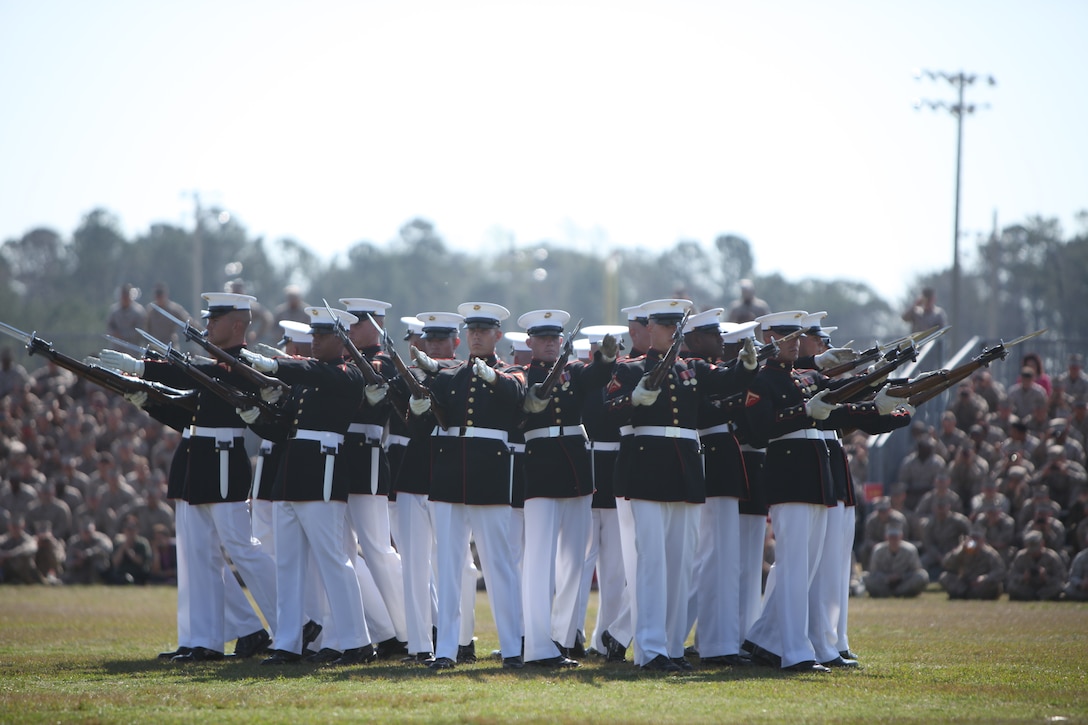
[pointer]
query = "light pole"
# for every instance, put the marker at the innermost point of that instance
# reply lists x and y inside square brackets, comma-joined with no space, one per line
[959,81]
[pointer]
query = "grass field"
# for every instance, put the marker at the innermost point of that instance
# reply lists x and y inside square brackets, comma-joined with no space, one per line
[77,654]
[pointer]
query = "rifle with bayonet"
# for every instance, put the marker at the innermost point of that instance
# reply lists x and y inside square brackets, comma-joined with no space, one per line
[415,388]
[371,375]
[237,398]
[878,351]
[930,385]
[859,386]
[235,364]
[664,365]
[103,377]
[556,371]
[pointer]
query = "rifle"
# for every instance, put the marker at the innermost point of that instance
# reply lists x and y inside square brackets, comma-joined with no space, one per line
[560,363]
[236,365]
[369,373]
[237,398]
[664,365]
[878,351]
[931,385]
[415,388]
[860,384]
[108,379]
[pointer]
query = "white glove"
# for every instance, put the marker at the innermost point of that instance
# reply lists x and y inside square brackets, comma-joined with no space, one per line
[483,371]
[249,415]
[885,403]
[121,362]
[609,348]
[419,406]
[138,398]
[817,409]
[271,395]
[749,356]
[376,394]
[423,360]
[268,350]
[533,403]
[835,356]
[641,396]
[259,362]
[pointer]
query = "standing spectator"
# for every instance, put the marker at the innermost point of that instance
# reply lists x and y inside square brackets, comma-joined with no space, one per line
[88,559]
[293,307]
[1033,361]
[1037,572]
[1077,588]
[748,307]
[967,406]
[157,324]
[126,315]
[1027,395]
[950,435]
[1073,380]
[18,551]
[973,570]
[261,328]
[1019,440]
[924,313]
[896,570]
[131,561]
[991,390]
[13,376]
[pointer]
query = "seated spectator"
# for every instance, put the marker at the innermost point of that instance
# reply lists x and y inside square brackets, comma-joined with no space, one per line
[164,556]
[131,560]
[978,437]
[967,471]
[912,530]
[989,495]
[1074,520]
[49,510]
[991,390]
[1050,528]
[941,534]
[876,527]
[151,511]
[973,570]
[951,437]
[895,569]
[13,376]
[50,557]
[1062,477]
[1037,572]
[918,470]
[967,406]
[1058,435]
[1000,423]
[1077,423]
[88,560]
[1027,396]
[18,554]
[1015,484]
[1077,587]
[1040,498]
[1000,531]
[942,488]
[1019,440]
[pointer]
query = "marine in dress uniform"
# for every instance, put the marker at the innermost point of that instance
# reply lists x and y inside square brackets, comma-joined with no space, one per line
[216,484]
[663,479]
[311,490]
[471,481]
[558,488]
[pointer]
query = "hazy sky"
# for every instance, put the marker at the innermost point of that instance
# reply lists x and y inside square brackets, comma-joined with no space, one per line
[612,124]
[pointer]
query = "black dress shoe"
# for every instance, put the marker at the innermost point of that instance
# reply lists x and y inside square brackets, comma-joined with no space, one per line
[848,655]
[558,662]
[806,666]
[579,648]
[323,656]
[466,653]
[764,657]
[683,664]
[252,644]
[748,646]
[310,631]
[175,653]
[356,656]
[614,651]
[391,647]
[419,658]
[442,663]
[661,663]
[727,661]
[199,654]
[691,651]
[281,657]
[513,663]
[840,661]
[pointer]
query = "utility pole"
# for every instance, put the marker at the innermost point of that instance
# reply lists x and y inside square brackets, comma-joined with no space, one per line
[959,81]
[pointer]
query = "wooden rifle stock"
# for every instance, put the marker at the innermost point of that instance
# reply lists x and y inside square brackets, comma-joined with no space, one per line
[415,388]
[560,363]
[861,384]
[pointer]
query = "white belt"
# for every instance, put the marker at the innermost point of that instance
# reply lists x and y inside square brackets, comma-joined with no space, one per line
[723,428]
[394,440]
[472,431]
[666,431]
[185,432]
[266,447]
[372,432]
[517,447]
[220,434]
[745,448]
[829,435]
[330,444]
[554,431]
[604,445]
[626,430]
[809,433]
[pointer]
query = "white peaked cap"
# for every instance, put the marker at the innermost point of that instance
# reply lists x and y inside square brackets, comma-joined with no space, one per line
[706,319]
[737,331]
[544,322]
[322,321]
[360,306]
[296,331]
[482,314]
[791,319]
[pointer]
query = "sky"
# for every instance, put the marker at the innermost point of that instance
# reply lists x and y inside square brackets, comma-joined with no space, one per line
[601,125]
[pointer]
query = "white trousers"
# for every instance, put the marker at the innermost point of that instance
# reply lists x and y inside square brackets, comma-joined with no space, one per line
[315,526]
[753,533]
[849,529]
[824,598]
[489,526]
[556,533]
[665,534]
[605,556]
[622,626]
[715,589]
[370,518]
[782,626]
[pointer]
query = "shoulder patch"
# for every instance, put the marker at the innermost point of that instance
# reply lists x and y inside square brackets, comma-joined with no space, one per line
[750,399]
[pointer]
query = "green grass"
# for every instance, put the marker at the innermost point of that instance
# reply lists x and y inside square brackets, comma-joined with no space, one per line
[77,654]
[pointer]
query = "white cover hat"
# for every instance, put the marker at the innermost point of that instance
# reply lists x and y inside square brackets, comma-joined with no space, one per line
[544,322]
